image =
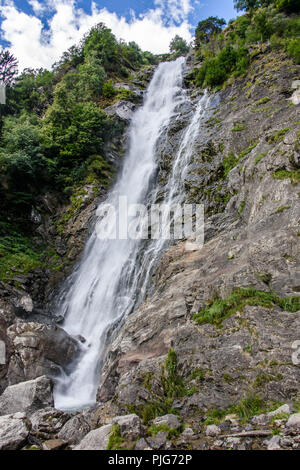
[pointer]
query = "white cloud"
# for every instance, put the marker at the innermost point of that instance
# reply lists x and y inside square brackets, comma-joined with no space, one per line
[37,7]
[36,46]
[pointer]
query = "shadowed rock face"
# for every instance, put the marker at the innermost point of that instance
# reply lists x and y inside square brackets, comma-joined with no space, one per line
[244,170]
[39,350]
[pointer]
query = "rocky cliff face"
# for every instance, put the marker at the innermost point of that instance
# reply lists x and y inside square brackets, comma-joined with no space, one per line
[215,376]
[245,170]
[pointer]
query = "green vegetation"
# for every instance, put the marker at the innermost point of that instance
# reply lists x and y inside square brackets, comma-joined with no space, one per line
[232,161]
[153,430]
[245,409]
[18,256]
[239,127]
[53,127]
[282,209]
[115,439]
[277,136]
[293,175]
[260,157]
[53,134]
[171,387]
[226,52]
[218,310]
[178,47]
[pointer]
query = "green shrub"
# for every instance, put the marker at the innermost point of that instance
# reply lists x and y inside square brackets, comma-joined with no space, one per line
[217,70]
[109,90]
[293,48]
[115,439]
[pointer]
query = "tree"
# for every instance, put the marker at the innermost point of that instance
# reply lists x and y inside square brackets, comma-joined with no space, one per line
[102,43]
[288,6]
[207,28]
[247,5]
[8,67]
[179,47]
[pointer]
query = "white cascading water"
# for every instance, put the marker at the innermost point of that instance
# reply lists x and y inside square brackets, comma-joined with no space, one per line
[113,275]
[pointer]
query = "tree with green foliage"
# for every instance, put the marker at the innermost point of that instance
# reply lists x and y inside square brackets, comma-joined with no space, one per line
[32,92]
[8,67]
[24,167]
[217,70]
[246,5]
[179,47]
[100,42]
[92,77]
[207,28]
[288,6]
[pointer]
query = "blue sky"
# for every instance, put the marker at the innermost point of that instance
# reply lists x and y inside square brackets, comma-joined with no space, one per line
[39,31]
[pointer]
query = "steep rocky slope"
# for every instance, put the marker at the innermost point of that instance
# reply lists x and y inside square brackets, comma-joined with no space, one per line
[246,171]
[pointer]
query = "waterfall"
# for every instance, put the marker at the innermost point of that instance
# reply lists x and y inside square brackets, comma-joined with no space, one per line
[113,275]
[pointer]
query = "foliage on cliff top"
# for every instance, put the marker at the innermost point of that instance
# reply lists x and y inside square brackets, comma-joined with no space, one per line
[227,53]
[52,124]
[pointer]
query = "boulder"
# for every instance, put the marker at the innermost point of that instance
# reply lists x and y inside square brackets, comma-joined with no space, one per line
[47,422]
[159,442]
[282,409]
[212,430]
[293,423]
[142,444]
[169,420]
[130,426]
[27,396]
[13,431]
[122,109]
[74,430]
[38,350]
[54,444]
[96,440]
[274,443]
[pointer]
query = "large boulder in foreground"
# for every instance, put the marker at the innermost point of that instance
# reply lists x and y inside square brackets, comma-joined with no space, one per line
[27,397]
[13,431]
[96,440]
[39,349]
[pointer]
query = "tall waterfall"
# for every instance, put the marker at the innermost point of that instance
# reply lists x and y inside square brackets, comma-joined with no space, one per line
[113,275]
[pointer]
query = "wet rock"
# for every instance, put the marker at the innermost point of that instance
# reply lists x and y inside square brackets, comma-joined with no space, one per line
[96,440]
[13,432]
[122,109]
[27,396]
[24,305]
[39,349]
